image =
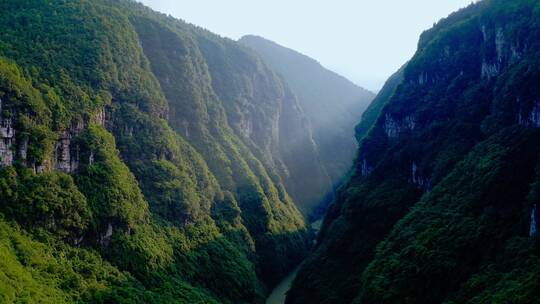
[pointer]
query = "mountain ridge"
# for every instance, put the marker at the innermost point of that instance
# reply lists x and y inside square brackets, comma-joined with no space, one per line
[247,37]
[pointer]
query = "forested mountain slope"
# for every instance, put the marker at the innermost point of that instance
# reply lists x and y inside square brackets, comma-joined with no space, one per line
[332,104]
[143,159]
[439,207]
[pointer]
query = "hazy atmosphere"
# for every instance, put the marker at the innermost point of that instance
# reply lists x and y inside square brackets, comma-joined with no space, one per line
[270,152]
[366,41]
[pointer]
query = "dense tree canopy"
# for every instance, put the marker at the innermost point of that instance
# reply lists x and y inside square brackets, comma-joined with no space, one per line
[140,160]
[439,205]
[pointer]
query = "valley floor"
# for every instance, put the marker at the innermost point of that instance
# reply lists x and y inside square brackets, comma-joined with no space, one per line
[279,293]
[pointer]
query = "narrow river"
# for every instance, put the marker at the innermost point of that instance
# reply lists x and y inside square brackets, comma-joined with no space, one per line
[279,293]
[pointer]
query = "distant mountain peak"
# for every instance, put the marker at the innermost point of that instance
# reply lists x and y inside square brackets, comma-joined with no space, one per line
[258,42]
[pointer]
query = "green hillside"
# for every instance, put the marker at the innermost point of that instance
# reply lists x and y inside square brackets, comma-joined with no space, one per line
[439,206]
[143,159]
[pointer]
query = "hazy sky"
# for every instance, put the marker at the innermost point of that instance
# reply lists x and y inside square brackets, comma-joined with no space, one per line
[364,40]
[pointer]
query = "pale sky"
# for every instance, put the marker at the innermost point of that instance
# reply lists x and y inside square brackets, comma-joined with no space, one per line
[363,40]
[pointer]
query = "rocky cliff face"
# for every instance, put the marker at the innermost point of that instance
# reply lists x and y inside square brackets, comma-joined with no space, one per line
[332,106]
[439,205]
[7,137]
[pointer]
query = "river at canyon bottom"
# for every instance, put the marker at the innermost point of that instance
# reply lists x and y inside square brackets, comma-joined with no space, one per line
[279,293]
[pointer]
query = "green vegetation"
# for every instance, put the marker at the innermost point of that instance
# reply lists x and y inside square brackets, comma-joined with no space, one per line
[141,160]
[469,217]
[112,191]
[48,271]
[438,207]
[50,201]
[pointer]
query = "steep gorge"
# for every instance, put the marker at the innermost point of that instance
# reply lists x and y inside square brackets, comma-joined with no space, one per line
[333,105]
[146,160]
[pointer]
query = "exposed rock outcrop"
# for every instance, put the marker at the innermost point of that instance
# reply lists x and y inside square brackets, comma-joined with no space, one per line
[7,139]
[365,168]
[393,127]
[530,117]
[418,179]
